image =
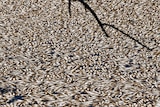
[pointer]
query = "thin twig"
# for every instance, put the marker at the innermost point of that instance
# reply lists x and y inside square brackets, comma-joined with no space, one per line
[104,24]
[112,26]
[92,11]
[95,16]
[69,7]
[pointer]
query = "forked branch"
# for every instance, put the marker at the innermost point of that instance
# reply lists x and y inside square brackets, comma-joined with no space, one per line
[91,10]
[104,24]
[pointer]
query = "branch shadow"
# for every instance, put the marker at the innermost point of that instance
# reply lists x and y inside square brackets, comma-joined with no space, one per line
[104,24]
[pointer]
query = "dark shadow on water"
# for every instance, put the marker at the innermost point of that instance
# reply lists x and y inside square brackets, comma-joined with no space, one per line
[4,90]
[15,98]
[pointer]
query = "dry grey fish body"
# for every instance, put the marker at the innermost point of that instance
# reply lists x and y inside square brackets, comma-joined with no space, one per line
[85,69]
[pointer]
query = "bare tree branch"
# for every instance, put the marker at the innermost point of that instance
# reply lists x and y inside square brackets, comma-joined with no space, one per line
[69,7]
[112,26]
[104,24]
[95,16]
